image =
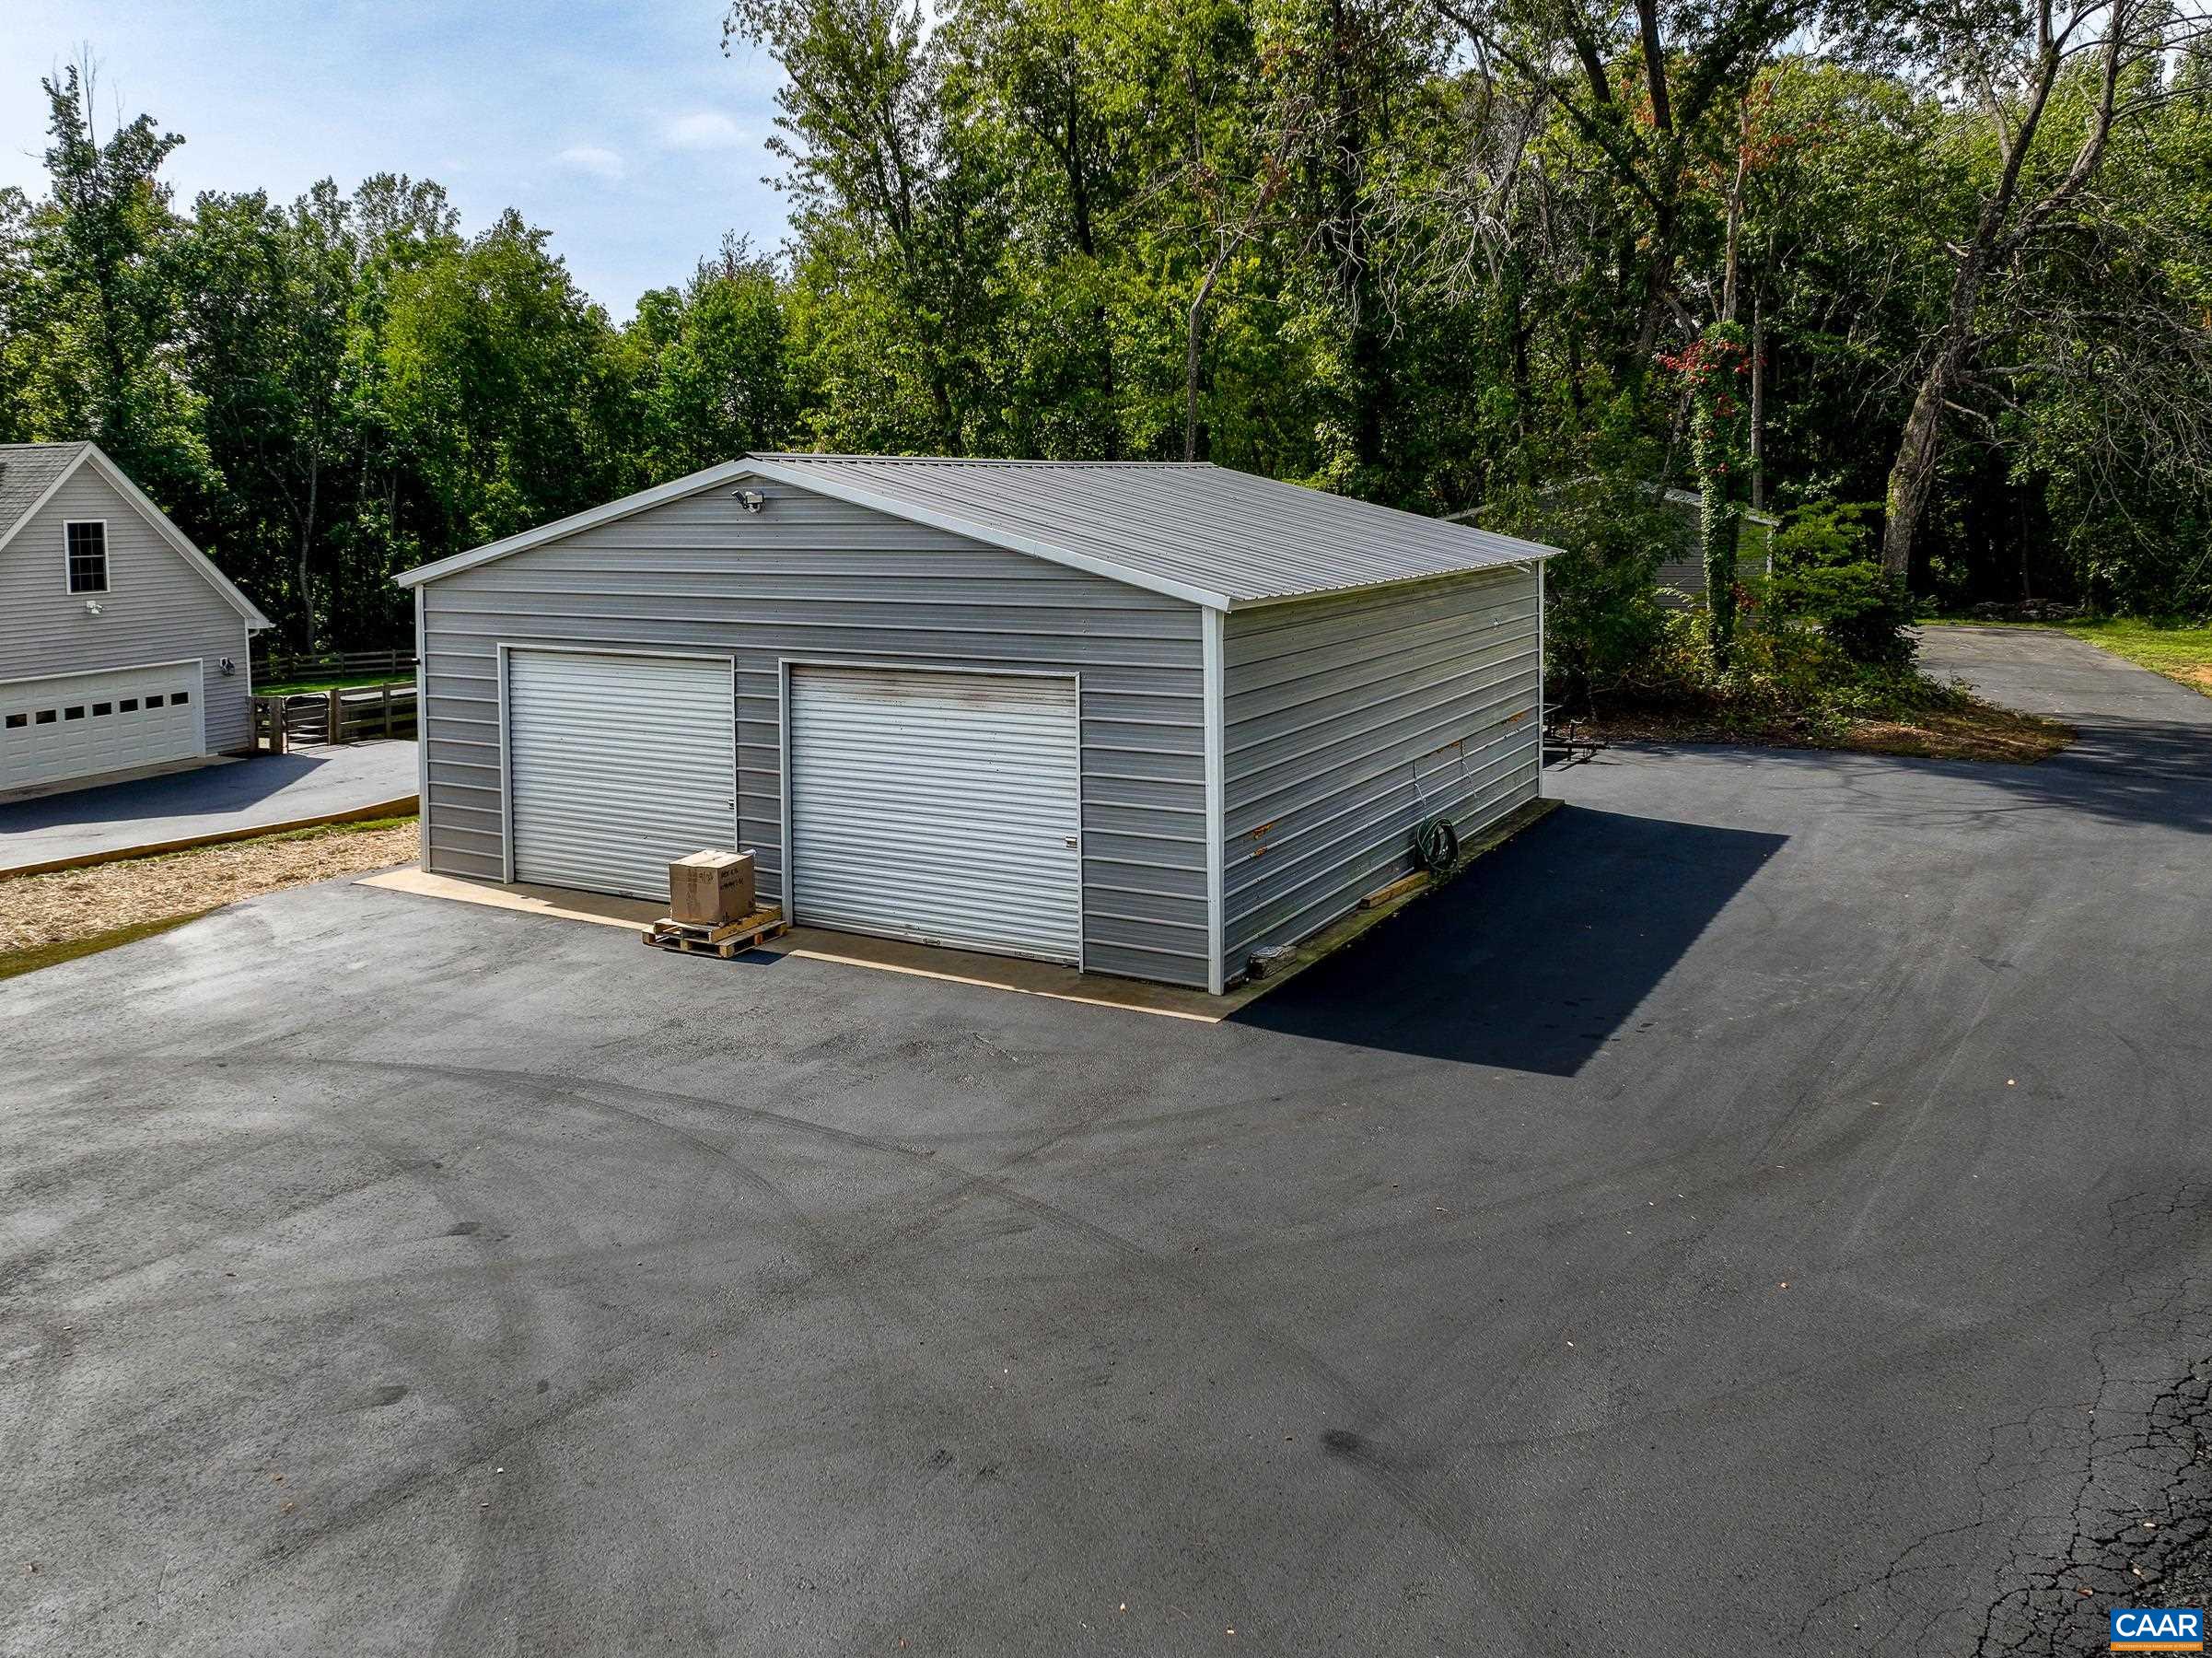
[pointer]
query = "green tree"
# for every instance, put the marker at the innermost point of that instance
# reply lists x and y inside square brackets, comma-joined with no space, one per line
[266,309]
[2016,62]
[102,303]
[1716,372]
[711,364]
[891,198]
[504,385]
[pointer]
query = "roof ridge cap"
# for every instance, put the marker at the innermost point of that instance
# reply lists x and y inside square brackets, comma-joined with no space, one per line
[816,457]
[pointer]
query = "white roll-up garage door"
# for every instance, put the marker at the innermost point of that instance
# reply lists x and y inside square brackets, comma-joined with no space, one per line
[939,807]
[78,724]
[618,765]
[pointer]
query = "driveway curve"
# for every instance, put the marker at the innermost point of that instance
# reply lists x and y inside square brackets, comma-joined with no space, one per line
[1767,1206]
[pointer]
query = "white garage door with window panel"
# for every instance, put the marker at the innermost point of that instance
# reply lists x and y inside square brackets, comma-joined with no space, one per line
[617,766]
[80,725]
[944,808]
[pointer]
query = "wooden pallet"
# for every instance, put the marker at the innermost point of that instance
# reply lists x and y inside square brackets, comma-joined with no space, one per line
[723,941]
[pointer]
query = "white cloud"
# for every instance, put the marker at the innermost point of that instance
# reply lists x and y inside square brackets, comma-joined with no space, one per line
[590,157]
[703,130]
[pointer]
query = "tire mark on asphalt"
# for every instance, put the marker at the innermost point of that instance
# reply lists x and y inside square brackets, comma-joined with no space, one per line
[386,1495]
[1419,1497]
[870,1309]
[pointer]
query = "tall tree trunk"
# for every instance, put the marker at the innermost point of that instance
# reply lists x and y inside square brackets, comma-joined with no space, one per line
[1757,442]
[1912,473]
[1659,267]
[1735,231]
[1193,324]
[1078,196]
[1658,281]
[307,574]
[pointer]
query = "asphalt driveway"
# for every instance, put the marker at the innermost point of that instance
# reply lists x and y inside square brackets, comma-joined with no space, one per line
[1767,1208]
[207,799]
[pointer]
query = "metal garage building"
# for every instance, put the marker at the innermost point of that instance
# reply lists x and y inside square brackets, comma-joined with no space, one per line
[1143,718]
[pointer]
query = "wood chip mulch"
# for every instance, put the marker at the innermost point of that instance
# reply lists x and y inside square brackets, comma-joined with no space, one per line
[1981,732]
[54,909]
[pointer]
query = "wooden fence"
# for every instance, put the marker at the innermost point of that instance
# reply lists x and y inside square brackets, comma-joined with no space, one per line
[279,666]
[358,713]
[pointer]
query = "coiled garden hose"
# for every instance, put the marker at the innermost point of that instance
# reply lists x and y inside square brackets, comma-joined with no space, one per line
[1437,845]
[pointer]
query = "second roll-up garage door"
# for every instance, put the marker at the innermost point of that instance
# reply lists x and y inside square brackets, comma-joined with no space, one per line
[618,765]
[938,807]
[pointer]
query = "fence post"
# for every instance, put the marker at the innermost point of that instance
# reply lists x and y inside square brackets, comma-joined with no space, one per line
[388,709]
[334,731]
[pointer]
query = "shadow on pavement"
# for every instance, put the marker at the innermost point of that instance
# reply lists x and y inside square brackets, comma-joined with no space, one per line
[2125,771]
[2119,770]
[1536,955]
[172,794]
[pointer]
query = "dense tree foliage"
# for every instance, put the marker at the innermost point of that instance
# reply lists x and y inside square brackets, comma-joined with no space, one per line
[1449,254]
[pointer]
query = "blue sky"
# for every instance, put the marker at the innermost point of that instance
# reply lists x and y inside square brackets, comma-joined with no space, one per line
[623,130]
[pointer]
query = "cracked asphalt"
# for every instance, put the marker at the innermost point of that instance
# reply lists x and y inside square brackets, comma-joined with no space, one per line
[1767,1206]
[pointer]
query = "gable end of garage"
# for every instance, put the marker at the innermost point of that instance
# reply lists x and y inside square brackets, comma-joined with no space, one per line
[817,579]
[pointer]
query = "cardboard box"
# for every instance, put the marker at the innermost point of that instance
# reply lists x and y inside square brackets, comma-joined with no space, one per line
[711,889]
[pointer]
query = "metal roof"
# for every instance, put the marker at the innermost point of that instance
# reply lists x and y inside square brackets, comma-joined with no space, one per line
[1189,528]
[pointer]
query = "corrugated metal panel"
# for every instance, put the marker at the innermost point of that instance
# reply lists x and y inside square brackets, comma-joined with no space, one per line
[1192,531]
[939,807]
[618,765]
[1348,720]
[815,578]
[82,724]
[1237,538]
[156,609]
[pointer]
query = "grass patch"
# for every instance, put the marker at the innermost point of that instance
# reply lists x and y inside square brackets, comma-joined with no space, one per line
[15,962]
[2177,649]
[312,832]
[339,682]
[65,913]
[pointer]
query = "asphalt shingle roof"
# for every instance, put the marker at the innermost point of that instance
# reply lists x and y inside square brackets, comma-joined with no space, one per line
[28,471]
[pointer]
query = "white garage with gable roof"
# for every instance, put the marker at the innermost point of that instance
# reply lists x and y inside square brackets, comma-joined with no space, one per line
[120,646]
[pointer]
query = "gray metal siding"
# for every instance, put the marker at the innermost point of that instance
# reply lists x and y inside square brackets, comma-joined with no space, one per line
[156,608]
[1348,720]
[814,578]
